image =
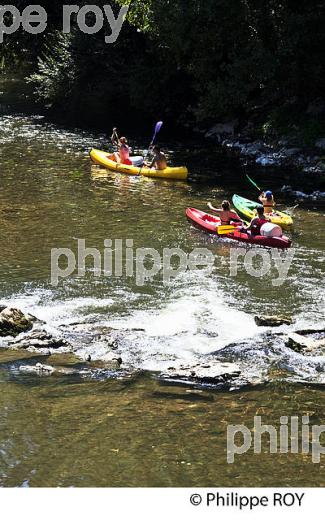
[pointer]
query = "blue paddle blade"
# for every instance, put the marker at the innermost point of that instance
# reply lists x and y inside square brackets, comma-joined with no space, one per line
[158,127]
[157,130]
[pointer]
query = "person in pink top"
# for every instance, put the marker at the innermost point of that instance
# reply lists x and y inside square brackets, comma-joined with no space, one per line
[123,155]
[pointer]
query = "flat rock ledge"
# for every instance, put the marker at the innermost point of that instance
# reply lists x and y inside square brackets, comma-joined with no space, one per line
[111,364]
[212,373]
[13,322]
[39,340]
[273,321]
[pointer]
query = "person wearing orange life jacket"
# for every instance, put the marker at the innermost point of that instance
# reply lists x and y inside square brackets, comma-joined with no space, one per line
[268,202]
[226,214]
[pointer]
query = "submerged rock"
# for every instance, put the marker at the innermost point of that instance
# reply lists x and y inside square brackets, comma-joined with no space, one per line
[109,361]
[273,321]
[13,322]
[211,372]
[47,370]
[39,369]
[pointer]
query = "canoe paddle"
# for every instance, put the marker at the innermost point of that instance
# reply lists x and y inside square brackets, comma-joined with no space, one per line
[254,184]
[260,190]
[225,230]
[157,130]
[115,138]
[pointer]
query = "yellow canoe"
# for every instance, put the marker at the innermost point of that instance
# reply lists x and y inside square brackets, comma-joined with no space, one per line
[105,159]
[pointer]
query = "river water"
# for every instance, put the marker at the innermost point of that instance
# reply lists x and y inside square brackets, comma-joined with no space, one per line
[139,430]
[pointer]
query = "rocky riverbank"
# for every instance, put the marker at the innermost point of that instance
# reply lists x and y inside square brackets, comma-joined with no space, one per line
[27,347]
[302,162]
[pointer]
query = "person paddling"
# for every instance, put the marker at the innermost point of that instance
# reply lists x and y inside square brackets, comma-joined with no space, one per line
[226,214]
[123,155]
[159,160]
[267,199]
[255,226]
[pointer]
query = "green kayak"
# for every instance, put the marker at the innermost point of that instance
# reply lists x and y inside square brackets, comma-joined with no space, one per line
[247,208]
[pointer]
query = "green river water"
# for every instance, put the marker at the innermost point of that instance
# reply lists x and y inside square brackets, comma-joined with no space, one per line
[139,431]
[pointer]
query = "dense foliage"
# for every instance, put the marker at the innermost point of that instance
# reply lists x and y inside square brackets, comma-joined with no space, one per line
[190,61]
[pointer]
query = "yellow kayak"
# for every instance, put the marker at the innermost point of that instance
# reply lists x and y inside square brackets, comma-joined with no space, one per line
[106,160]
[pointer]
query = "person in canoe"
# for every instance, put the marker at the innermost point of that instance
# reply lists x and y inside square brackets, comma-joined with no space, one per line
[255,226]
[267,199]
[159,161]
[123,155]
[226,214]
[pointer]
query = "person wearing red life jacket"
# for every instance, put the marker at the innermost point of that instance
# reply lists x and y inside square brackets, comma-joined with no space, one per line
[255,226]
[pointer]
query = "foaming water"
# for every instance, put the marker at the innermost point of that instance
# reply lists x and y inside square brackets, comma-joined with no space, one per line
[187,327]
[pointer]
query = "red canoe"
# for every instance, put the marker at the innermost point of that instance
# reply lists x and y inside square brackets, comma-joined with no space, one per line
[209,224]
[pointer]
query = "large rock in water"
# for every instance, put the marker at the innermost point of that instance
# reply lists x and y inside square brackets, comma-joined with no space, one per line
[273,321]
[13,322]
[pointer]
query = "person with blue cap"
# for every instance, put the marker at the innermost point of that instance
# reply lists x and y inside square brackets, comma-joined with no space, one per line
[267,199]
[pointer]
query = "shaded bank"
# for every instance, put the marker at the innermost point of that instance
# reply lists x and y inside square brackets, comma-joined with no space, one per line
[249,58]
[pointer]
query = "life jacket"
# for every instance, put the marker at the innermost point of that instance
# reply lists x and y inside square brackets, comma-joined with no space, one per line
[256,225]
[269,205]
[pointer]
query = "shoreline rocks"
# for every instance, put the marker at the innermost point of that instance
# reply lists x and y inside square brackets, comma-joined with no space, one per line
[281,152]
[21,334]
[13,322]
[301,197]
